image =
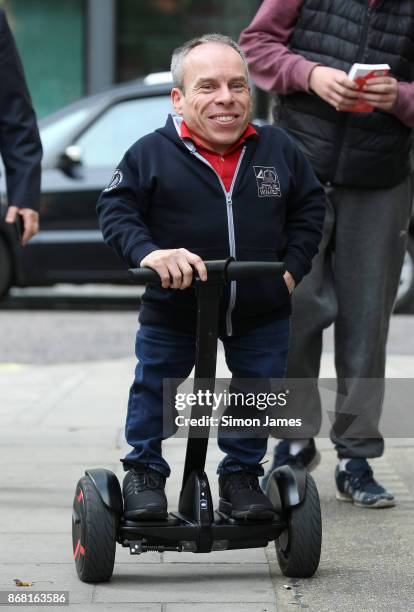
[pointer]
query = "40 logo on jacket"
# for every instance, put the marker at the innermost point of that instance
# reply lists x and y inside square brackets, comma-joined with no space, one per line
[267,182]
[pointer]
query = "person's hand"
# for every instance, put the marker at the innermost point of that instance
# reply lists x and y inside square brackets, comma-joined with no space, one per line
[381,92]
[173,266]
[30,221]
[290,281]
[334,87]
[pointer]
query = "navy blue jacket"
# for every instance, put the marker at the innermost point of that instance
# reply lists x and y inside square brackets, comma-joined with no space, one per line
[165,195]
[20,145]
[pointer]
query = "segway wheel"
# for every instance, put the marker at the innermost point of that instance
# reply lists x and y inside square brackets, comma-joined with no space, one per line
[298,548]
[94,528]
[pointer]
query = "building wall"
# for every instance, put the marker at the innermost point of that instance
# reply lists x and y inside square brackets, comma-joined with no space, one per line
[70,48]
[50,37]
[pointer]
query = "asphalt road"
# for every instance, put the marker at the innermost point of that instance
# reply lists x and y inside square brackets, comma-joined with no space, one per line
[92,326]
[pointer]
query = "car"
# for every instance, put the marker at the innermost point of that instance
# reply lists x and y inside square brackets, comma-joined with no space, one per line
[83,143]
[405,294]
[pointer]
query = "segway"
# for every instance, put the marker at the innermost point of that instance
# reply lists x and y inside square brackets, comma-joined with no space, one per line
[97,519]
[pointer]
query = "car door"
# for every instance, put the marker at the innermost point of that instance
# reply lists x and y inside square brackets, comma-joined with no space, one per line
[69,247]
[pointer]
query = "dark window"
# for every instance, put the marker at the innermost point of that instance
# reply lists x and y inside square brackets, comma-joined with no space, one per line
[149,31]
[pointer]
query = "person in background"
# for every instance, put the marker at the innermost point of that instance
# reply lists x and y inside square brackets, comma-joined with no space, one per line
[303,50]
[20,145]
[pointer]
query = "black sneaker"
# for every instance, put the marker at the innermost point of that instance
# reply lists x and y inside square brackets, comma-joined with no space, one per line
[357,484]
[308,458]
[144,496]
[242,499]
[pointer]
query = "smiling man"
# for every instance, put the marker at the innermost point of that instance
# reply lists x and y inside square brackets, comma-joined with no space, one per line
[216,105]
[208,185]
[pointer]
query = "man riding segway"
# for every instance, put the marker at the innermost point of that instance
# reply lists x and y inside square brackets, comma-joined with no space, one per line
[208,185]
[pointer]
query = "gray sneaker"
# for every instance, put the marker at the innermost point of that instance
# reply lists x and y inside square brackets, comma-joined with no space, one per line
[357,485]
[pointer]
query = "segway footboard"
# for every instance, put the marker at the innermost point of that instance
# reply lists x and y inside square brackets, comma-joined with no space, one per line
[195,527]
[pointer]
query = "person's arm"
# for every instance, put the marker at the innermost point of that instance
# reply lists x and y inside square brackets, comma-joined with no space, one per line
[20,144]
[272,65]
[404,107]
[122,210]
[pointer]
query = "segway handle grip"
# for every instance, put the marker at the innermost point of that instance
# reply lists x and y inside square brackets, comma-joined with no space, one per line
[239,270]
[228,269]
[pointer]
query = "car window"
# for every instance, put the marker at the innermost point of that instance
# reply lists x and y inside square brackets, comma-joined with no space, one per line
[55,133]
[106,140]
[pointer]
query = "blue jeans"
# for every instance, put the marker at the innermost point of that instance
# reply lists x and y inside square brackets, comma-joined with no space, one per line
[165,353]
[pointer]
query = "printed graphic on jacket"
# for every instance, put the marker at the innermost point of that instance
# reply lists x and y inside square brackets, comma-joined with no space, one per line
[115,180]
[267,182]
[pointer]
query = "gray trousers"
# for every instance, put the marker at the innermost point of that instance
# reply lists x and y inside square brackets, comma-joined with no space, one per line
[353,284]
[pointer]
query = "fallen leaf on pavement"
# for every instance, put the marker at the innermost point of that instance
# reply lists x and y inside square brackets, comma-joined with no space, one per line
[22,583]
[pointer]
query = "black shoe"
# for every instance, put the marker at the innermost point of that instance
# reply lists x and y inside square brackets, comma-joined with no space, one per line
[144,496]
[242,499]
[308,458]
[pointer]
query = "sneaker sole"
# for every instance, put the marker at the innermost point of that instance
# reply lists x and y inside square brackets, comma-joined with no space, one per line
[381,503]
[344,497]
[146,515]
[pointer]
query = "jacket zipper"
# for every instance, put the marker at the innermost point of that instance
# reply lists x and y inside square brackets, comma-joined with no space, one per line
[364,34]
[230,224]
[345,119]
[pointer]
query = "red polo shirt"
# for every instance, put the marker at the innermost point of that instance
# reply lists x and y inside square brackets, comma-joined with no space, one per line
[224,164]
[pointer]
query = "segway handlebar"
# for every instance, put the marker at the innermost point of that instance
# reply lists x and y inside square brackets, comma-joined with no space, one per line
[226,269]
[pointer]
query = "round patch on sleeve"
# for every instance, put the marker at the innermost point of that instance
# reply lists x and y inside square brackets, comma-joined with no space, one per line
[115,180]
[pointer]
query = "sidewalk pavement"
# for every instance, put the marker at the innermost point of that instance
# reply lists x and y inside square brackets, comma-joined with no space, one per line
[55,421]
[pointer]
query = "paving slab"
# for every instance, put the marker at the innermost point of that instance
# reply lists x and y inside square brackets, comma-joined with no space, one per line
[109,607]
[224,607]
[49,547]
[68,437]
[47,577]
[188,582]
[58,456]
[248,555]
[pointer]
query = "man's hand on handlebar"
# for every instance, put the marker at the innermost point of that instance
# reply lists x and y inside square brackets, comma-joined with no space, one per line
[174,267]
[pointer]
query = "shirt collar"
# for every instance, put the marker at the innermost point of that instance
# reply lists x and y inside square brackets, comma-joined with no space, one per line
[185,133]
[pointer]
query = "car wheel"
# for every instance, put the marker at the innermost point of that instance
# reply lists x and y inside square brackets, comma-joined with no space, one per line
[6,268]
[405,293]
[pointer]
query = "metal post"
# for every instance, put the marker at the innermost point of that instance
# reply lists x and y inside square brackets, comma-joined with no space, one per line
[100,44]
[205,370]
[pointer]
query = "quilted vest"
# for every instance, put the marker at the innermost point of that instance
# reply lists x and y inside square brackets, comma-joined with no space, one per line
[365,150]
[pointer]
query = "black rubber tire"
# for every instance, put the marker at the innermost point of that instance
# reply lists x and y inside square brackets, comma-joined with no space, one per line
[6,269]
[404,301]
[298,548]
[93,534]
